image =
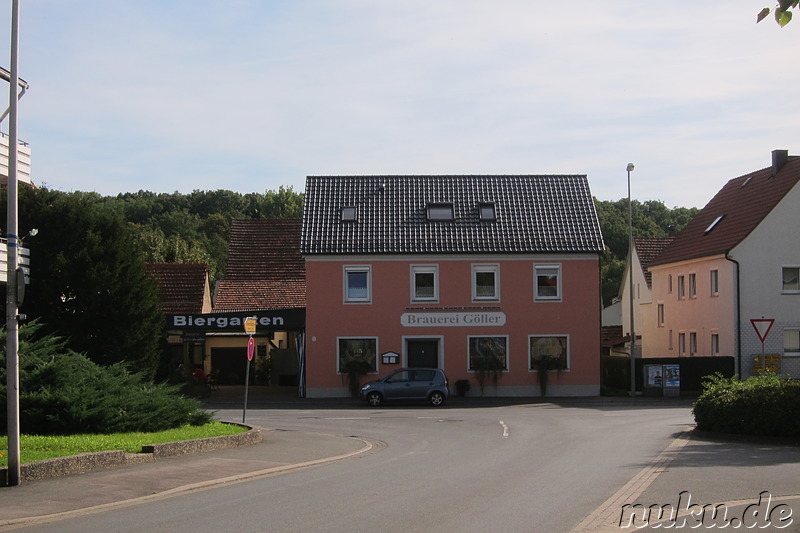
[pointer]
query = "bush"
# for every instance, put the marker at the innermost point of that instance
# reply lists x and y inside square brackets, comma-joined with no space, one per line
[763,405]
[63,392]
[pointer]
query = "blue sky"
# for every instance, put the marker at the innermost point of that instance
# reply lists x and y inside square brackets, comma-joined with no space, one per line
[253,95]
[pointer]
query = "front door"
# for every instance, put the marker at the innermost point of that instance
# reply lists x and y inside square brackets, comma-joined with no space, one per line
[423,353]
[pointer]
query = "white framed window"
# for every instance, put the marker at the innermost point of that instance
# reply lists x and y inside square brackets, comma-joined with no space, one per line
[681,288]
[681,343]
[714,280]
[669,284]
[791,342]
[424,283]
[357,283]
[488,353]
[551,349]
[791,280]
[486,282]
[356,354]
[661,315]
[547,282]
[715,344]
[669,341]
[692,285]
[692,342]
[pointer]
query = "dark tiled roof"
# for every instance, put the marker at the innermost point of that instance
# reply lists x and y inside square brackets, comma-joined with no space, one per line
[742,203]
[534,214]
[648,248]
[265,269]
[611,336]
[181,286]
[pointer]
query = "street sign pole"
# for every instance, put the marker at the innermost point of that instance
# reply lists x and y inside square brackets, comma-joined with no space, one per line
[12,318]
[250,329]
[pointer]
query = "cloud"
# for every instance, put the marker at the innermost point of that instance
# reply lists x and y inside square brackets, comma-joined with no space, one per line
[253,95]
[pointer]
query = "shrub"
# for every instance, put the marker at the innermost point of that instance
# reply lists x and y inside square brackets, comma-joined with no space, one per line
[63,392]
[761,405]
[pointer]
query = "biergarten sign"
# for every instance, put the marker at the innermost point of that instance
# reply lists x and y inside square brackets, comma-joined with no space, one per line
[234,322]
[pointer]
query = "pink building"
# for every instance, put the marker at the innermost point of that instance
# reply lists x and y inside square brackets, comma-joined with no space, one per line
[478,275]
[737,260]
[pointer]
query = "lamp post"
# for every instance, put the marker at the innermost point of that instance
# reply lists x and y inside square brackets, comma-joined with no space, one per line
[630,282]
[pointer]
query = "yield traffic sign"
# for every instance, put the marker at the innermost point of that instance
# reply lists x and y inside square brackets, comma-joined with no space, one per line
[762,327]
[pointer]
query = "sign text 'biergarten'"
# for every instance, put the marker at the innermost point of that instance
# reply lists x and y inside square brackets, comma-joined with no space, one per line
[285,318]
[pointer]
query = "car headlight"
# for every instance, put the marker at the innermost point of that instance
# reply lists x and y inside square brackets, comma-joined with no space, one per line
[365,387]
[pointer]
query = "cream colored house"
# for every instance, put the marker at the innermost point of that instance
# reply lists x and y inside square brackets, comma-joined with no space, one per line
[645,250]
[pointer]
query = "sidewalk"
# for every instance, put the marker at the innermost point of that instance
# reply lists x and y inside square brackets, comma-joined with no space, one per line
[704,481]
[279,452]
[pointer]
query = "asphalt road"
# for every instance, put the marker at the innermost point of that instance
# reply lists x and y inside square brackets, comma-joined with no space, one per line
[530,467]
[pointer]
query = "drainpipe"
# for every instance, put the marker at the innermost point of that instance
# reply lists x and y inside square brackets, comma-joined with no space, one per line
[738,318]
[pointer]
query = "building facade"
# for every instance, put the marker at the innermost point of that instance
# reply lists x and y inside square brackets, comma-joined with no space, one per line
[491,278]
[737,261]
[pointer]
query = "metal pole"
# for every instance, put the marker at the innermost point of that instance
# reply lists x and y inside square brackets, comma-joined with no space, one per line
[630,283]
[246,385]
[12,325]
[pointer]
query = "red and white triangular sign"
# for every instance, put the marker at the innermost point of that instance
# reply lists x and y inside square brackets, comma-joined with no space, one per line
[762,327]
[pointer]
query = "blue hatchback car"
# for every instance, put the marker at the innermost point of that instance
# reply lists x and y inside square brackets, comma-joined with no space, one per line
[408,384]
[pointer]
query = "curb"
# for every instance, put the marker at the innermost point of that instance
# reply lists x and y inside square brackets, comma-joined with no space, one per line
[87,462]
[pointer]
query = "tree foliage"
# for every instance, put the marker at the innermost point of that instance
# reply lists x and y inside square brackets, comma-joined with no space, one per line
[782,12]
[63,393]
[195,227]
[88,282]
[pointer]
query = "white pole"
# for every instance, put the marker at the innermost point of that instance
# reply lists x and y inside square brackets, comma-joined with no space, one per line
[12,325]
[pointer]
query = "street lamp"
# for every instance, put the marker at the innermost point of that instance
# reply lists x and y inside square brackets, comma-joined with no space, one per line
[630,282]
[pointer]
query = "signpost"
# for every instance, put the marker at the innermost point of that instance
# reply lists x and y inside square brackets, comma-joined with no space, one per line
[250,329]
[762,326]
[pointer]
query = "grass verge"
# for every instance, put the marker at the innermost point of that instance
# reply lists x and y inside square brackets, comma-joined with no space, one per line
[38,448]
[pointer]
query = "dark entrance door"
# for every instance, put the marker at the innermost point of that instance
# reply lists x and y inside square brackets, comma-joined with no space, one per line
[423,353]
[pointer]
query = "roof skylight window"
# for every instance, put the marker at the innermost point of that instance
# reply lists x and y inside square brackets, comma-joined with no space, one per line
[486,211]
[440,211]
[713,224]
[348,213]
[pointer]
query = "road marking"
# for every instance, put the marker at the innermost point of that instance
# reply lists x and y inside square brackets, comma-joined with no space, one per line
[505,429]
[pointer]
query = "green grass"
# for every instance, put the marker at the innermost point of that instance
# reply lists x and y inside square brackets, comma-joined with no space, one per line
[38,448]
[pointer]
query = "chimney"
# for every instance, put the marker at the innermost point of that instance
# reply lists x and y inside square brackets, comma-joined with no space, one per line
[779,158]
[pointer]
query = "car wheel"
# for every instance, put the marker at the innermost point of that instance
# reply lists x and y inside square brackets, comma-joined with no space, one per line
[374,399]
[436,398]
